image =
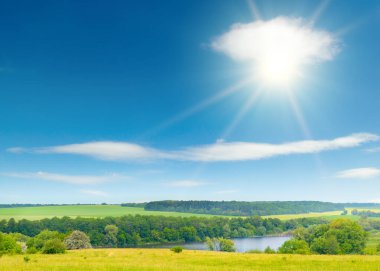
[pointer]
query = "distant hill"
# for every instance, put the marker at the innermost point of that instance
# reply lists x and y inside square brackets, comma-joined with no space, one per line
[244,208]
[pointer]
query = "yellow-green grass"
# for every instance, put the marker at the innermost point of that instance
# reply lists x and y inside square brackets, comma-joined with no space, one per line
[36,213]
[294,216]
[163,259]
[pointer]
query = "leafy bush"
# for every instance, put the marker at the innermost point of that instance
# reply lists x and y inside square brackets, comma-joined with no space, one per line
[269,250]
[77,240]
[8,245]
[294,246]
[40,239]
[26,259]
[176,249]
[220,244]
[54,246]
[378,247]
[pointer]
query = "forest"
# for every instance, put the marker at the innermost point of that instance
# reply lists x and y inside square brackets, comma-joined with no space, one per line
[130,231]
[243,208]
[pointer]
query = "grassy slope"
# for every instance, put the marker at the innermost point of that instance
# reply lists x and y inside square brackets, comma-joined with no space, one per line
[34,213]
[156,259]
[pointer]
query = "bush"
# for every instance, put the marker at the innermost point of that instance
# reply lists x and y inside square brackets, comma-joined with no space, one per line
[378,248]
[325,245]
[269,250]
[26,259]
[54,246]
[77,240]
[255,251]
[8,245]
[294,246]
[176,249]
[220,244]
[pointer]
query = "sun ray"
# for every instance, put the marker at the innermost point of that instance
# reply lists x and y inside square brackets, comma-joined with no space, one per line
[198,107]
[242,112]
[253,8]
[318,12]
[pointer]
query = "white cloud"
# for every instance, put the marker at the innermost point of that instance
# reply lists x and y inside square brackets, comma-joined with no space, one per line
[219,151]
[240,151]
[71,179]
[186,183]
[278,47]
[373,149]
[359,173]
[95,193]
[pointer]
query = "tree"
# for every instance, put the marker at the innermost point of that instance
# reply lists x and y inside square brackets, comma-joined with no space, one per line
[8,245]
[77,240]
[269,250]
[40,239]
[54,246]
[111,235]
[325,245]
[220,244]
[294,246]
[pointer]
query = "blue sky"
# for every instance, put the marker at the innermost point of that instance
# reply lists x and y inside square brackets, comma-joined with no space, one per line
[146,100]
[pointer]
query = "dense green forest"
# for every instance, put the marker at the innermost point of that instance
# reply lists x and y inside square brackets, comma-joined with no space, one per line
[243,208]
[366,213]
[133,230]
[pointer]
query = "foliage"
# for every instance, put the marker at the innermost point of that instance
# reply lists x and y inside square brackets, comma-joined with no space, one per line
[220,244]
[8,245]
[137,205]
[366,213]
[341,236]
[26,259]
[378,248]
[294,246]
[38,242]
[176,249]
[77,240]
[269,250]
[53,246]
[243,208]
[132,230]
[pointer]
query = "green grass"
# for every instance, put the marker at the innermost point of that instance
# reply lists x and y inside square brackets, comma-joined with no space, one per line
[36,213]
[165,260]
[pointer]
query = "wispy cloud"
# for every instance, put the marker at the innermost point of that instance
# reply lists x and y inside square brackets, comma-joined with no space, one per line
[186,183]
[377,149]
[71,179]
[359,173]
[95,193]
[219,151]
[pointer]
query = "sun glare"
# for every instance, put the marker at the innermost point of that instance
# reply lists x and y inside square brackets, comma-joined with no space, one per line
[279,50]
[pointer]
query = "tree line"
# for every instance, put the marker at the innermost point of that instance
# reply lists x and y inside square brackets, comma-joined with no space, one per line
[131,230]
[243,208]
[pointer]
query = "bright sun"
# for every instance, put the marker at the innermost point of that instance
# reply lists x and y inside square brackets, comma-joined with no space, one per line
[278,49]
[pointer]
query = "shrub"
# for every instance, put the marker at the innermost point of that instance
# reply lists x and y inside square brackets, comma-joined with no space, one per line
[294,246]
[54,246]
[378,247]
[8,245]
[325,245]
[269,250]
[77,240]
[255,251]
[26,259]
[176,249]
[220,244]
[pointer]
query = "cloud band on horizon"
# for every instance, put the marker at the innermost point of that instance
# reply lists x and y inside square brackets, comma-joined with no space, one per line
[217,152]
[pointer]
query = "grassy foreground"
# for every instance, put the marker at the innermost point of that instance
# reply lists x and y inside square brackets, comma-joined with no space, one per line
[162,259]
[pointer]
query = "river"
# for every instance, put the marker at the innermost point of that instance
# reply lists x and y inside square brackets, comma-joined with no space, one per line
[241,244]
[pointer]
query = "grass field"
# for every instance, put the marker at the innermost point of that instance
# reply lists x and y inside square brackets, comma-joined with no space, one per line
[163,259]
[35,213]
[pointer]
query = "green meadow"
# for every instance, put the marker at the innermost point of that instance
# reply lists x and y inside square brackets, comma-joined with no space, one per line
[36,213]
[165,260]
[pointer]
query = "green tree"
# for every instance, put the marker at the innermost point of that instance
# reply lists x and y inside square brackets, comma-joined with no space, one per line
[269,250]
[8,245]
[54,246]
[40,239]
[325,245]
[111,235]
[220,244]
[294,246]
[77,240]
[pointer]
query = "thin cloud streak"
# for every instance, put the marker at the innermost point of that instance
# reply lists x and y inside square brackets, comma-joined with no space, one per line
[217,152]
[70,179]
[359,173]
[95,193]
